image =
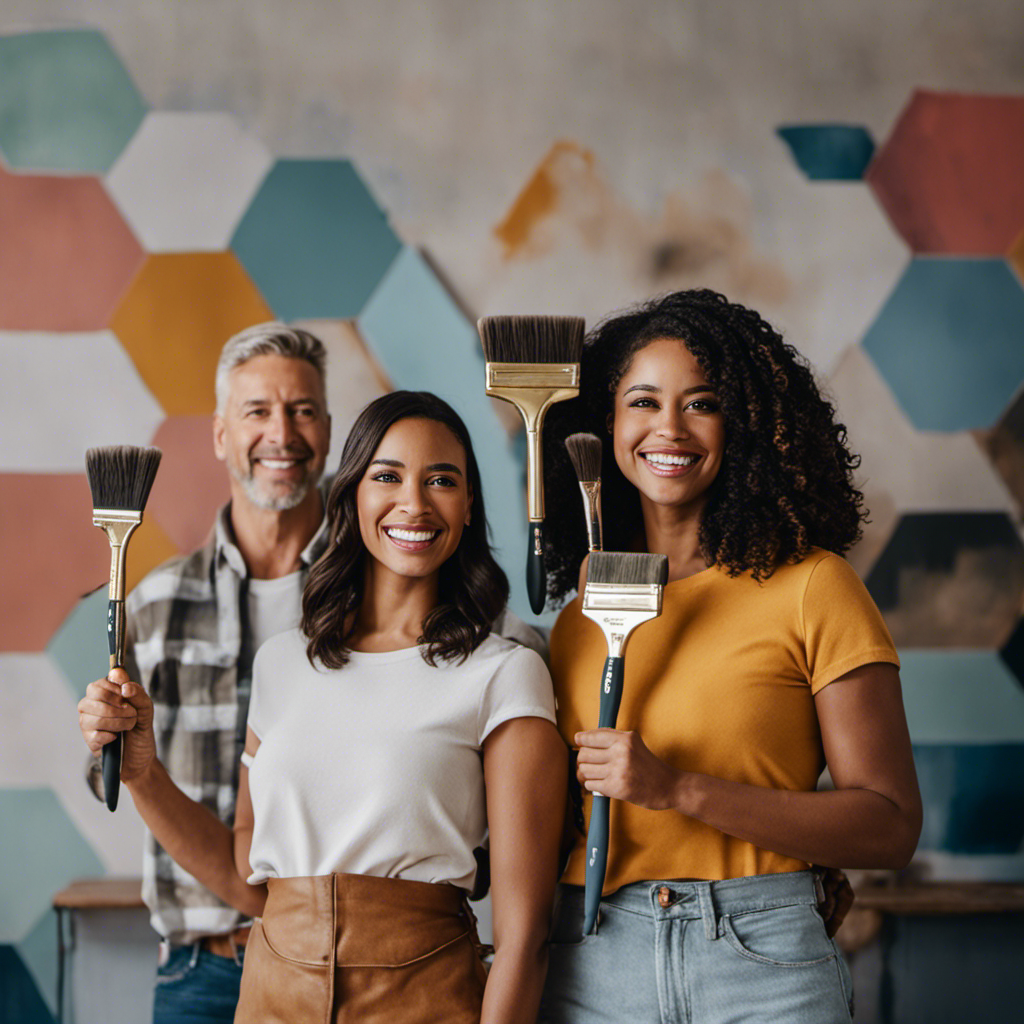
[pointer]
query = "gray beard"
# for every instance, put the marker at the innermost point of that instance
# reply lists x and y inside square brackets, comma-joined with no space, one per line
[274,502]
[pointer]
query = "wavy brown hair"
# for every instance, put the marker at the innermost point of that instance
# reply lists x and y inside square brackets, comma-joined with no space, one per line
[472,589]
[786,481]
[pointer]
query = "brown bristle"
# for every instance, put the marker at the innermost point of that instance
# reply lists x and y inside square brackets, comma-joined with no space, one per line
[121,476]
[625,567]
[532,339]
[585,455]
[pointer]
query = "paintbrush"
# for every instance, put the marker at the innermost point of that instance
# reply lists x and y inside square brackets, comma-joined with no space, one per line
[622,592]
[120,478]
[585,455]
[533,362]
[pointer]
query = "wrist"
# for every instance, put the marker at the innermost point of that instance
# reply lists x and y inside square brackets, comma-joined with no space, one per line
[689,795]
[146,779]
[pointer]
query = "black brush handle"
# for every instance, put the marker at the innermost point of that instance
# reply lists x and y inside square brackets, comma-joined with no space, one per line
[597,833]
[536,580]
[113,752]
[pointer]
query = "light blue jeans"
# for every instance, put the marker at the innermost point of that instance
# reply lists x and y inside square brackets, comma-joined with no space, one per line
[742,950]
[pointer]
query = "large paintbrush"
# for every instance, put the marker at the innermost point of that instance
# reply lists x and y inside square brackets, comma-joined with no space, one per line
[622,592]
[585,456]
[533,362]
[120,478]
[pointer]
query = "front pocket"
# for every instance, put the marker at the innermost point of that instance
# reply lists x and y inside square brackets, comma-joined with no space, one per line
[278,990]
[791,936]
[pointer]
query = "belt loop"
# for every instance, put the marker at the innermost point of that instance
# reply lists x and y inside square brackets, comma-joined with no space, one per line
[707,910]
[196,946]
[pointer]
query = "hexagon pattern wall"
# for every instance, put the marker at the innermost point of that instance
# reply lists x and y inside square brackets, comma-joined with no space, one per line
[163,233]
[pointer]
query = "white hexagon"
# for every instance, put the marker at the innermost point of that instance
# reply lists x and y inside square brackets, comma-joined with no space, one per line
[922,470]
[43,747]
[843,259]
[63,393]
[185,180]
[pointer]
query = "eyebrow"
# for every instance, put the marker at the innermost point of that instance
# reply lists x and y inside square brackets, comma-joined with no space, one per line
[657,390]
[249,402]
[437,467]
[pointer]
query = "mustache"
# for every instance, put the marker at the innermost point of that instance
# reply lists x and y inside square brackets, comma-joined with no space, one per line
[293,451]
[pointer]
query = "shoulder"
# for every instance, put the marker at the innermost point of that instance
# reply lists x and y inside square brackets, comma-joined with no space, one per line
[286,647]
[184,573]
[511,627]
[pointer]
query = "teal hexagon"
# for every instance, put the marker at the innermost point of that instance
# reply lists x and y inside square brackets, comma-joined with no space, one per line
[950,342]
[40,853]
[38,952]
[829,152]
[66,102]
[21,1001]
[314,240]
[79,647]
[424,342]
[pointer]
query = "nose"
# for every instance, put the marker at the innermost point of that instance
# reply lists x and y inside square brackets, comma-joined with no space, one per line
[280,429]
[414,499]
[671,423]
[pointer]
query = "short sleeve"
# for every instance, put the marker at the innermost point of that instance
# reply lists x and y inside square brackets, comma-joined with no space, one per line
[843,628]
[520,688]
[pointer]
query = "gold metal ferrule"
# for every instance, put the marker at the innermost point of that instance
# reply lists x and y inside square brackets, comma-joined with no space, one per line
[591,490]
[618,608]
[118,524]
[532,388]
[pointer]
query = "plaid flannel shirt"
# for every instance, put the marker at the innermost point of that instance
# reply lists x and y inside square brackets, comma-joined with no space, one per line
[189,646]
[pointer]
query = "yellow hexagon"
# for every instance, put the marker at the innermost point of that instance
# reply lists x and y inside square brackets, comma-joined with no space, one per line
[175,318]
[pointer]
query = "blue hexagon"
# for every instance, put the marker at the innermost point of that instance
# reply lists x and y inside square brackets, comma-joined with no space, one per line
[423,341]
[314,240]
[66,102]
[79,647]
[950,342]
[829,152]
[38,952]
[41,852]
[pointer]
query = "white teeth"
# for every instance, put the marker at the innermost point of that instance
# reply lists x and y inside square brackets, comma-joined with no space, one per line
[671,460]
[410,535]
[278,463]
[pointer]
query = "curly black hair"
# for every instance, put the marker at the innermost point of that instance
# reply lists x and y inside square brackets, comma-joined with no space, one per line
[786,481]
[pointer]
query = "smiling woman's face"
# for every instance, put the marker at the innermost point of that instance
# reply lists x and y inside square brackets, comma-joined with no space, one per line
[414,501]
[668,431]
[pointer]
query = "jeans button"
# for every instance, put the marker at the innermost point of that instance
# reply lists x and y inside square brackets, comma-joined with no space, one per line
[664,897]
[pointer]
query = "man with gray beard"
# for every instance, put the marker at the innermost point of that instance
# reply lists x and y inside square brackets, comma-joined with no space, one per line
[194,625]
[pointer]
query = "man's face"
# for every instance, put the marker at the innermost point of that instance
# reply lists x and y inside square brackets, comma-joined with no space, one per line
[273,431]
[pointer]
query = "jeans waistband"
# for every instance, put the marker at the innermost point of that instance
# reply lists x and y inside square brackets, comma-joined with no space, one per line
[672,899]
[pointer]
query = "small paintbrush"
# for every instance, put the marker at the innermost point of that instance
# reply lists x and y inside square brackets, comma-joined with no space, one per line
[120,478]
[585,455]
[623,591]
[533,362]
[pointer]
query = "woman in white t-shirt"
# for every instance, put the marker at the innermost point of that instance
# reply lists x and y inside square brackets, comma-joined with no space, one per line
[390,736]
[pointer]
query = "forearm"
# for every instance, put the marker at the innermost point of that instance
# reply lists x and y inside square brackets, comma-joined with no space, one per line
[194,838]
[516,980]
[848,828]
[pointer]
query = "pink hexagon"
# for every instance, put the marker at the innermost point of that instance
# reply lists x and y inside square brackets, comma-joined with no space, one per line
[52,555]
[188,467]
[951,175]
[66,254]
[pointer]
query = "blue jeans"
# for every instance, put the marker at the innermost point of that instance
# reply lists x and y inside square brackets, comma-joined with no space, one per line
[196,987]
[742,951]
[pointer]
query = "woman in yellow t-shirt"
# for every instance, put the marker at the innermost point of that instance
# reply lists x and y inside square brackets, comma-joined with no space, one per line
[768,662]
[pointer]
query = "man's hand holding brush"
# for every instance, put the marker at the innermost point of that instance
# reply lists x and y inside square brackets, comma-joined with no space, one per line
[117,705]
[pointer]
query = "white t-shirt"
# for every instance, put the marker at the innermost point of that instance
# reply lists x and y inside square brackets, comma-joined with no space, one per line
[375,768]
[274,606]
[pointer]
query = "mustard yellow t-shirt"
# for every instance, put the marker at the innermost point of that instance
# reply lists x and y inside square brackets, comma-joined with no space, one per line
[722,683]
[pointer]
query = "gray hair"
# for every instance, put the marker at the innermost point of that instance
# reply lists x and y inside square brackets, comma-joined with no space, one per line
[270,339]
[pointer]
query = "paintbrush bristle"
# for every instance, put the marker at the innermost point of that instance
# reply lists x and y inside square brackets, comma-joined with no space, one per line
[585,454]
[625,567]
[121,476]
[532,339]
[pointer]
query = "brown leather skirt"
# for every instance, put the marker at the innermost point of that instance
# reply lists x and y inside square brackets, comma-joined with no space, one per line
[336,949]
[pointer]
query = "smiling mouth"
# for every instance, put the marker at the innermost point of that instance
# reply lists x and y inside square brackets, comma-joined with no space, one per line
[665,464]
[411,540]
